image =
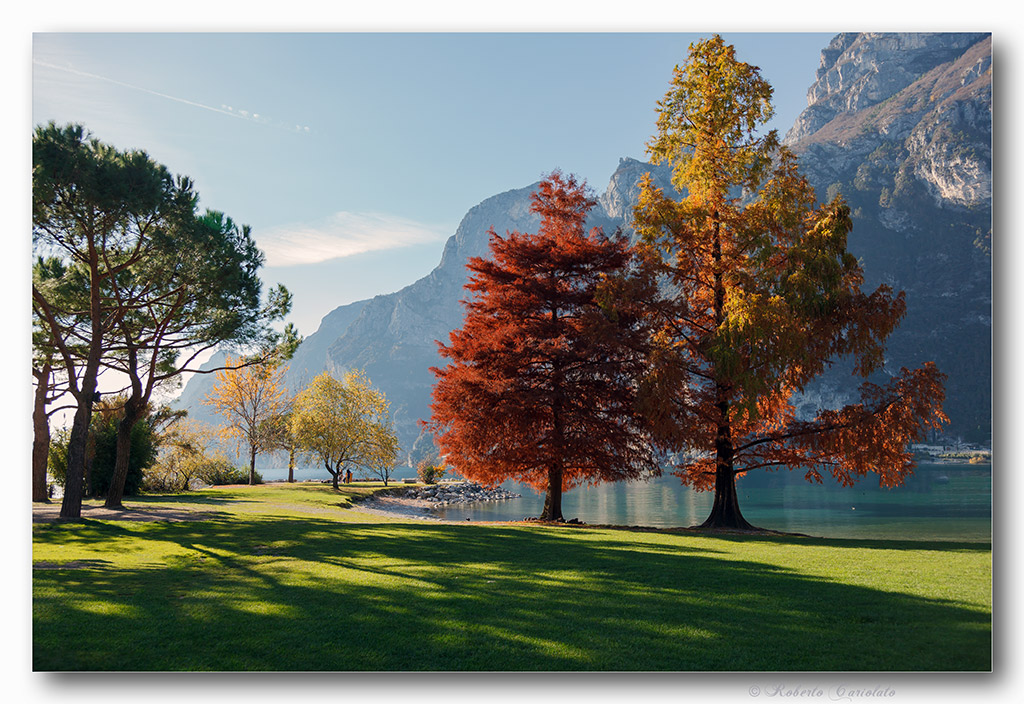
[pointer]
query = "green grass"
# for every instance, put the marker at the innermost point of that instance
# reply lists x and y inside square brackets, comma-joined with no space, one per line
[289,578]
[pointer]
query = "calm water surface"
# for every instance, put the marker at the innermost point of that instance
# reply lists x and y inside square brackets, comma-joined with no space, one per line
[939,502]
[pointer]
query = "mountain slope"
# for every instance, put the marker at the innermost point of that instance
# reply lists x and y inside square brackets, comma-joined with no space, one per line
[901,126]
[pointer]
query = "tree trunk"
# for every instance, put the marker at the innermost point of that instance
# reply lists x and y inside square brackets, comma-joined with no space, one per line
[71,505]
[334,475]
[40,436]
[115,492]
[252,465]
[725,511]
[291,465]
[553,498]
[552,510]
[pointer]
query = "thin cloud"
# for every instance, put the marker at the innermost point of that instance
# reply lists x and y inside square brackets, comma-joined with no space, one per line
[222,110]
[343,234]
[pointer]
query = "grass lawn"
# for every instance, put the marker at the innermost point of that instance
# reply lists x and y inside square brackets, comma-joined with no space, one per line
[288,577]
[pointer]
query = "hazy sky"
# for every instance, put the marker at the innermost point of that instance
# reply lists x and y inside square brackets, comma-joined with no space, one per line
[354,156]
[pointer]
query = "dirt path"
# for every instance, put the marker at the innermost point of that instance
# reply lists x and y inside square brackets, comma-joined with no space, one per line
[42,513]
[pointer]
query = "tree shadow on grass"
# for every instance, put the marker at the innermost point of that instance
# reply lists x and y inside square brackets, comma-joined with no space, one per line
[859,543]
[312,594]
[187,498]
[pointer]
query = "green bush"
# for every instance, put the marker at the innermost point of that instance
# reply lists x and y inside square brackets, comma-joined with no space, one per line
[102,449]
[218,470]
[104,438]
[57,460]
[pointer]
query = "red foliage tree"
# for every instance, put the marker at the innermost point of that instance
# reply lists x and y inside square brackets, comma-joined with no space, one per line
[540,387]
[765,297]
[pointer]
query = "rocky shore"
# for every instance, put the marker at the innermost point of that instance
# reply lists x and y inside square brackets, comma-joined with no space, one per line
[423,501]
[447,493]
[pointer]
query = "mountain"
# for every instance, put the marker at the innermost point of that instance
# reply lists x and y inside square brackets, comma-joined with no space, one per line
[901,126]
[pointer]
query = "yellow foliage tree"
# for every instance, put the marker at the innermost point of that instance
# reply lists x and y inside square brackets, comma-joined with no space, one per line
[248,397]
[345,423]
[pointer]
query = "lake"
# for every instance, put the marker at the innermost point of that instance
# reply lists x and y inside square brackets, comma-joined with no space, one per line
[939,502]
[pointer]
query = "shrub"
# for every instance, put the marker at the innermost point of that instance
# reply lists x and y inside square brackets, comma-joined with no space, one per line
[429,471]
[57,460]
[218,470]
[161,478]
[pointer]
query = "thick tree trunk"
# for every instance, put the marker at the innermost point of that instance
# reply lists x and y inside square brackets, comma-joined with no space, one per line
[71,505]
[115,492]
[725,511]
[553,498]
[334,475]
[40,436]
[252,466]
[122,455]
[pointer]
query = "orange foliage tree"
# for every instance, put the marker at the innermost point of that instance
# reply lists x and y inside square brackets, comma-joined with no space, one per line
[540,384]
[765,296]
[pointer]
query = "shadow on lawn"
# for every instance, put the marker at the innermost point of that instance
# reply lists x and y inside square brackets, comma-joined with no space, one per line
[311,594]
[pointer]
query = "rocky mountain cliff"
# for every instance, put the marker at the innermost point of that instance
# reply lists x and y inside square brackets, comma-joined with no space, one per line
[901,126]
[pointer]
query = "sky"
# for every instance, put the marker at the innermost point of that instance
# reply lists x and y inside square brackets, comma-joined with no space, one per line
[353,156]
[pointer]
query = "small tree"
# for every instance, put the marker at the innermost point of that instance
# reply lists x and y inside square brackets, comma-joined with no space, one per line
[540,387]
[280,436]
[102,449]
[247,397]
[383,457]
[183,457]
[345,424]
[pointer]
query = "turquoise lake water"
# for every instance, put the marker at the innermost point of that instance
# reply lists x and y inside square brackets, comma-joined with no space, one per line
[939,502]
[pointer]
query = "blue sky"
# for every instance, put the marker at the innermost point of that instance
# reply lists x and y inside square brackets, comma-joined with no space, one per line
[354,156]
